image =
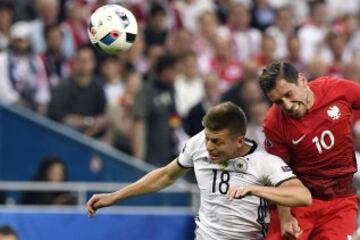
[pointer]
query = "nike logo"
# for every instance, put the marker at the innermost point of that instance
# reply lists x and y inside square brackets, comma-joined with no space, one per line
[298,140]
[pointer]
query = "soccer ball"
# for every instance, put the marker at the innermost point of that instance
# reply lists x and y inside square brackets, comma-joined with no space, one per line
[112,29]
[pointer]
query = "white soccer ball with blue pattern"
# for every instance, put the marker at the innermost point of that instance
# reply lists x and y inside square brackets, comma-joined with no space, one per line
[112,29]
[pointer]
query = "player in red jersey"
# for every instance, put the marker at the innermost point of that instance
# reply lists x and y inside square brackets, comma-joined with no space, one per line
[309,126]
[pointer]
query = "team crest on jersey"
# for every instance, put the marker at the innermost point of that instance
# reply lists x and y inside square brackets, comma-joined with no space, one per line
[334,112]
[240,165]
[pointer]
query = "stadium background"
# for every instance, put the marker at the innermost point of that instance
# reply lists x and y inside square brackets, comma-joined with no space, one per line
[217,49]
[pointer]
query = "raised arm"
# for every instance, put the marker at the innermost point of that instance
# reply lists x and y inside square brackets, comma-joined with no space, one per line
[291,193]
[152,182]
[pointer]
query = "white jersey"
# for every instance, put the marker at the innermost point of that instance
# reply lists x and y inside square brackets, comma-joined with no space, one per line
[220,218]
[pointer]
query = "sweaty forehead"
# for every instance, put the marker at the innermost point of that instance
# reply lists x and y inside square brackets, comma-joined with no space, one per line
[282,87]
[216,134]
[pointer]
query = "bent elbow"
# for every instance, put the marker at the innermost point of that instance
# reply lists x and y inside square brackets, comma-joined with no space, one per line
[306,199]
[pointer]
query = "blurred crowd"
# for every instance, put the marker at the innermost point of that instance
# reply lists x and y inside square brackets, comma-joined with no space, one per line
[188,56]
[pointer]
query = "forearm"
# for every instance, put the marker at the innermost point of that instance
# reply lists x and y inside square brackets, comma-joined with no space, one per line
[151,182]
[284,213]
[290,196]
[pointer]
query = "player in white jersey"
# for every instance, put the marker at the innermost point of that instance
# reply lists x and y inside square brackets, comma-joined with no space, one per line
[234,177]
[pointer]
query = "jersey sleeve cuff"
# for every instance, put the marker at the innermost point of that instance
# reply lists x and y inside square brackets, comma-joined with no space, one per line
[181,165]
[286,179]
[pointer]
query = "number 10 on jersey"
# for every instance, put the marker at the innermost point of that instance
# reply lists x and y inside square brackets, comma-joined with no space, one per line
[326,141]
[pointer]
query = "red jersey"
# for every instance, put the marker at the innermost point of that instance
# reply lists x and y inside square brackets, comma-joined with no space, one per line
[319,145]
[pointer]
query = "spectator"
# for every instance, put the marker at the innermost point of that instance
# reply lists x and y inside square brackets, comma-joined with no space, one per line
[243,94]
[176,39]
[6,19]
[155,31]
[190,10]
[189,87]
[224,64]
[155,118]
[118,132]
[281,30]
[52,170]
[350,25]
[313,34]
[22,73]
[257,111]
[212,93]
[209,29]
[293,57]
[247,40]
[267,54]
[262,14]
[7,233]
[48,12]
[135,56]
[80,101]
[111,71]
[58,66]
[336,43]
[75,22]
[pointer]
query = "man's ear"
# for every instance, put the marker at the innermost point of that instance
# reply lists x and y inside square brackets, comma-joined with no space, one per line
[240,141]
[302,80]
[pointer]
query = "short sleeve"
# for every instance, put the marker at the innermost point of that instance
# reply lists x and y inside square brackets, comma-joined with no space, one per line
[276,171]
[351,90]
[185,157]
[274,136]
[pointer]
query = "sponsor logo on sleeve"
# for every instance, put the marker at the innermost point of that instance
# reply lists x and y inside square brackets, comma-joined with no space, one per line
[268,143]
[286,169]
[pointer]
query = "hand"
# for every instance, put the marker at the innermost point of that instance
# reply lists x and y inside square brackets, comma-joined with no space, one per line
[99,201]
[290,228]
[237,192]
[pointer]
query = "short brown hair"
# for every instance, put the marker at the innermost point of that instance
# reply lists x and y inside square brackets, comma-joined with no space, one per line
[277,71]
[6,230]
[226,115]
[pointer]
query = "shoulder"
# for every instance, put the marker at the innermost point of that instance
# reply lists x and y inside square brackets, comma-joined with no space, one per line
[196,142]
[194,147]
[261,155]
[273,116]
[334,87]
[326,83]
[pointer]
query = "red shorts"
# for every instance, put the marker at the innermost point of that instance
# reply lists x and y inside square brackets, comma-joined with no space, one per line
[324,220]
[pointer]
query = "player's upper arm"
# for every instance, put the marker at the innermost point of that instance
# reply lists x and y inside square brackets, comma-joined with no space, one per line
[274,170]
[274,134]
[292,182]
[174,170]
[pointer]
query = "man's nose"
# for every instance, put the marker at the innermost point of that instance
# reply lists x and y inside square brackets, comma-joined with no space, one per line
[209,146]
[287,104]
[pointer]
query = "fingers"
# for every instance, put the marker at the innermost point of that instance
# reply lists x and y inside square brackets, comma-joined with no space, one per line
[236,192]
[91,206]
[292,232]
[296,230]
